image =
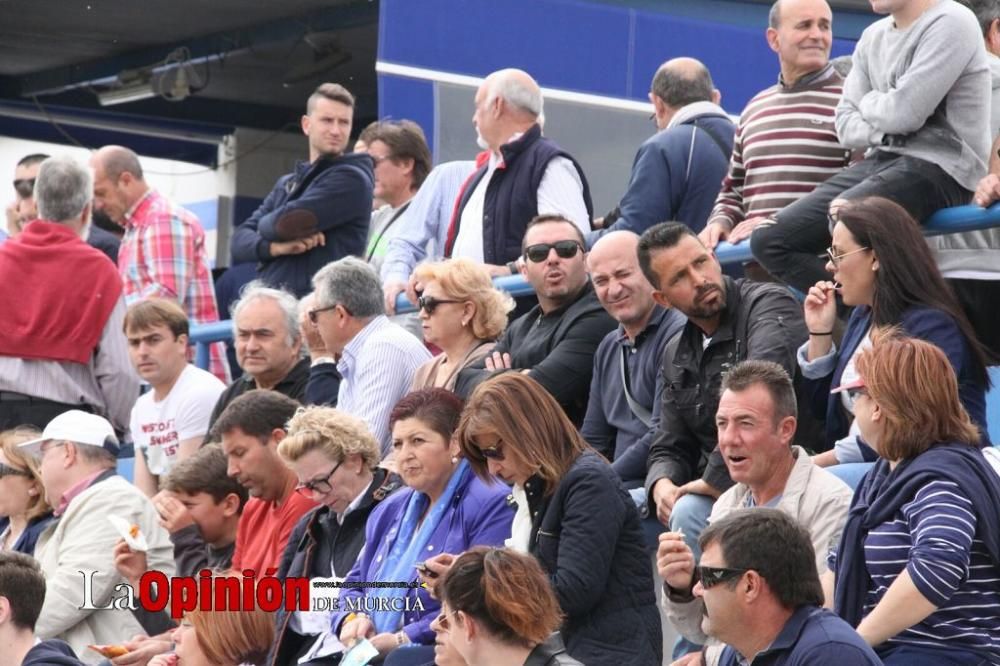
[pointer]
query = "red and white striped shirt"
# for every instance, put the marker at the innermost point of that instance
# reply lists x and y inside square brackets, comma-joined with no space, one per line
[786,144]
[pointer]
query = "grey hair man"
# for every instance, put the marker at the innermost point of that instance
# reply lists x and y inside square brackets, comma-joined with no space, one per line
[677,172]
[76,454]
[268,346]
[61,345]
[377,359]
[538,177]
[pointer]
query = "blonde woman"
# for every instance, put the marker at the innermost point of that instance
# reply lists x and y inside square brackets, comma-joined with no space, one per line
[462,313]
[22,499]
[336,461]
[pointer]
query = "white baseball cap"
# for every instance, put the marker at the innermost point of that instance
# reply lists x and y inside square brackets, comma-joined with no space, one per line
[77,427]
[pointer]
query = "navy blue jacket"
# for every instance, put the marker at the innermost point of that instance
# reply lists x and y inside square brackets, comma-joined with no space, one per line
[676,175]
[52,652]
[812,636]
[924,323]
[332,195]
[512,195]
[29,537]
[610,426]
[587,536]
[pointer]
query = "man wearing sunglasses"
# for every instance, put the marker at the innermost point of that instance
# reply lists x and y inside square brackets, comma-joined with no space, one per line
[762,596]
[756,421]
[555,341]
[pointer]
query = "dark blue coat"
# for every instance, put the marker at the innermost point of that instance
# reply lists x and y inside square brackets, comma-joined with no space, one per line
[588,538]
[332,195]
[676,175]
[924,323]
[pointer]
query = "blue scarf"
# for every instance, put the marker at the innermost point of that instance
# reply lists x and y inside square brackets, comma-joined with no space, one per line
[408,547]
[883,492]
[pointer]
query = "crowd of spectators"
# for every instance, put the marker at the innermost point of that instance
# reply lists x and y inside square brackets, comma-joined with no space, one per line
[786,464]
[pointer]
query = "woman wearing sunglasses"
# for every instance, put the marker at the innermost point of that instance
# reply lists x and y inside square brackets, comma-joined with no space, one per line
[573,515]
[444,509]
[22,497]
[882,265]
[462,313]
[336,461]
[220,638]
[919,559]
[497,608]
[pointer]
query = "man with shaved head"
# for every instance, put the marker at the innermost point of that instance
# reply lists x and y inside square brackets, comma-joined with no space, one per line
[786,142]
[163,252]
[677,171]
[625,390]
[523,175]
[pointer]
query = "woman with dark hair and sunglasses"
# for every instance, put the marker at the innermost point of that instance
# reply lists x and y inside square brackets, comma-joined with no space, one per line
[919,558]
[22,496]
[573,515]
[882,266]
[462,313]
[336,461]
[444,509]
[498,609]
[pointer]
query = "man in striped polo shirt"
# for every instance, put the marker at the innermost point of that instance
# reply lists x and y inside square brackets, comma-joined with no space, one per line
[917,101]
[786,143]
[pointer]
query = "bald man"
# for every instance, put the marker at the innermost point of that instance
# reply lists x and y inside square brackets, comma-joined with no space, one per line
[627,362]
[522,175]
[163,251]
[677,172]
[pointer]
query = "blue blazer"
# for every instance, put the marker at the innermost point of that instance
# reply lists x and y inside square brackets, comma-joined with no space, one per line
[925,323]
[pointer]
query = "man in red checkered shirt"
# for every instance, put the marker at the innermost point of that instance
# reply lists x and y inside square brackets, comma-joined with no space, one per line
[163,251]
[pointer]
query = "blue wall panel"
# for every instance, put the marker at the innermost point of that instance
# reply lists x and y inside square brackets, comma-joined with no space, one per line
[396,94]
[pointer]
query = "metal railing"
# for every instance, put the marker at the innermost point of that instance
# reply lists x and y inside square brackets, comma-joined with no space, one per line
[946,221]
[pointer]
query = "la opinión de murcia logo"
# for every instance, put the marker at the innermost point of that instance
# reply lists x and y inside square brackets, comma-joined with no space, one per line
[158,592]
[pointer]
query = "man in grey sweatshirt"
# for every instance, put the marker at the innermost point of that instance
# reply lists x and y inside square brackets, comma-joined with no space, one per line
[918,101]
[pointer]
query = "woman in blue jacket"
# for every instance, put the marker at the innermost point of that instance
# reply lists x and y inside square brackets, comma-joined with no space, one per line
[445,509]
[22,497]
[882,265]
[573,515]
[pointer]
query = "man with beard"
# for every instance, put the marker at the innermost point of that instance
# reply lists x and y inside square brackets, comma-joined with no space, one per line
[728,321]
[554,342]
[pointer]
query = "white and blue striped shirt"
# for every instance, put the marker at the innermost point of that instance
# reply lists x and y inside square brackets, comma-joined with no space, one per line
[377,367]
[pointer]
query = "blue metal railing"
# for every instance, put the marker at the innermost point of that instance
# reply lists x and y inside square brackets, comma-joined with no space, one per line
[946,221]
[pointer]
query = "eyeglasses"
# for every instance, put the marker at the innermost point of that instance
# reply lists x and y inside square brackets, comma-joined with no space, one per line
[25,187]
[712,576]
[836,258]
[429,304]
[494,452]
[855,393]
[566,249]
[443,621]
[319,486]
[314,313]
[45,447]
[7,470]
[379,160]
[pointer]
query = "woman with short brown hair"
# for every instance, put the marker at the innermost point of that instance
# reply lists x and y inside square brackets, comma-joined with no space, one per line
[919,557]
[573,515]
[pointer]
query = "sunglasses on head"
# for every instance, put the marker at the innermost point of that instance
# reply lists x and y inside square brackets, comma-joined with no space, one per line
[7,470]
[429,304]
[712,576]
[25,187]
[565,249]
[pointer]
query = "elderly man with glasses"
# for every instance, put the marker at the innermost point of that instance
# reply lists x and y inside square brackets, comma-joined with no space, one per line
[555,341]
[377,359]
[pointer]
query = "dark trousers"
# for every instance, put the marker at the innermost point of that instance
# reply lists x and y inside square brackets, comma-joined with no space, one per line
[790,248]
[17,410]
[979,299]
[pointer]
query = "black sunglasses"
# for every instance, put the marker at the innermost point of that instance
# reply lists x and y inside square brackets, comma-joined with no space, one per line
[25,187]
[7,470]
[321,486]
[566,249]
[712,576]
[429,304]
[494,452]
